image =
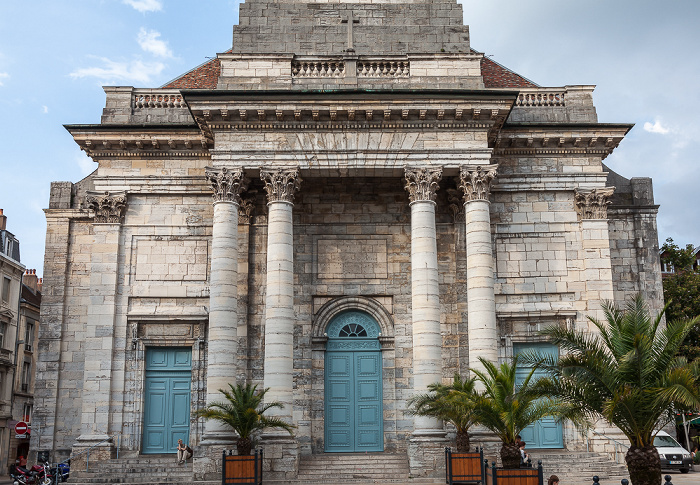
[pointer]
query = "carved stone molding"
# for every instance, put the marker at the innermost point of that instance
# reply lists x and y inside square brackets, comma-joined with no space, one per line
[226,184]
[422,183]
[456,207]
[592,204]
[475,182]
[245,212]
[108,207]
[280,184]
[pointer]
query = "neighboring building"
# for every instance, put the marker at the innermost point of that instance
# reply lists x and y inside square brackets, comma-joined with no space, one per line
[25,362]
[668,269]
[388,206]
[11,272]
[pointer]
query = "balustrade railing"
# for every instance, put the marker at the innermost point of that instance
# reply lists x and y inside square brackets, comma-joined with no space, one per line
[538,97]
[383,69]
[158,100]
[318,68]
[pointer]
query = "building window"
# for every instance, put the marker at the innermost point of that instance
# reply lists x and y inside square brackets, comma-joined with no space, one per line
[3,330]
[27,413]
[26,375]
[29,336]
[6,282]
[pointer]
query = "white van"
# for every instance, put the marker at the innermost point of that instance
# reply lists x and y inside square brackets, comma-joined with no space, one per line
[673,455]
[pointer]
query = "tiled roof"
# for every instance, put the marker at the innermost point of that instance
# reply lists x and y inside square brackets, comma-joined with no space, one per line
[498,76]
[206,76]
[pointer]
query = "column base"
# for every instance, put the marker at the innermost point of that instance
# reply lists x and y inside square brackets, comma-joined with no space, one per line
[91,449]
[426,455]
[280,457]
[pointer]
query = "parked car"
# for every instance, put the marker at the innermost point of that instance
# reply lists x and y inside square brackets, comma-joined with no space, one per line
[673,455]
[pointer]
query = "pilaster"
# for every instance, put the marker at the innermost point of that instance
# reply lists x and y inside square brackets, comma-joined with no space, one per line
[475,182]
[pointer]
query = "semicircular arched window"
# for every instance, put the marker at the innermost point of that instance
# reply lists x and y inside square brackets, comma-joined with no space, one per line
[352,330]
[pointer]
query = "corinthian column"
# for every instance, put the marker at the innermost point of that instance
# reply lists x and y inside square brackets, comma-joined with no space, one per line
[481,311]
[280,186]
[422,184]
[223,294]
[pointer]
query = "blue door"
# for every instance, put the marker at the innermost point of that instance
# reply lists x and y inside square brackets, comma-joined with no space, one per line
[547,432]
[167,399]
[353,385]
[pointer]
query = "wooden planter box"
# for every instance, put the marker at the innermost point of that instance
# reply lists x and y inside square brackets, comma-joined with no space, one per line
[241,470]
[514,476]
[464,467]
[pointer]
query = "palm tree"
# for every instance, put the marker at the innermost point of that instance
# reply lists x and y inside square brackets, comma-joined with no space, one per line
[630,374]
[244,412]
[452,403]
[506,407]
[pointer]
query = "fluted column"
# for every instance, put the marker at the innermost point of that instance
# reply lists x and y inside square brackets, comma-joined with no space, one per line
[223,295]
[481,303]
[422,184]
[278,373]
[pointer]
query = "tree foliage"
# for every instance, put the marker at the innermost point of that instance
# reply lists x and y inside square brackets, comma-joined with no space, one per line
[682,293]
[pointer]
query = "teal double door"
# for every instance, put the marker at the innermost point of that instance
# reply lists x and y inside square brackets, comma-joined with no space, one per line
[547,432]
[353,385]
[167,399]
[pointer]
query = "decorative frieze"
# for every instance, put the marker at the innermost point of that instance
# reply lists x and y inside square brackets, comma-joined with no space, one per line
[592,204]
[422,183]
[475,182]
[109,207]
[281,184]
[226,184]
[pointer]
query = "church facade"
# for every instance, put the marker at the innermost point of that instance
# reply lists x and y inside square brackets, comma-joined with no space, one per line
[347,206]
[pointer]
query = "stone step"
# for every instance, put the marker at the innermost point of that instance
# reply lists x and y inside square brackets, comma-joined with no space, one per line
[330,467]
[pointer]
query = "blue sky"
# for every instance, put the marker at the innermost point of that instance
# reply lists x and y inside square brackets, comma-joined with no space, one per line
[56,54]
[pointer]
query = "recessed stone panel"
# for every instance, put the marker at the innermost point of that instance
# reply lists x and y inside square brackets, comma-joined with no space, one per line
[348,259]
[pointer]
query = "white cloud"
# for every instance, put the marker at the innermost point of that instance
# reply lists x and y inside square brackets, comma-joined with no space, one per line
[86,164]
[3,75]
[113,71]
[149,42]
[145,5]
[44,109]
[657,127]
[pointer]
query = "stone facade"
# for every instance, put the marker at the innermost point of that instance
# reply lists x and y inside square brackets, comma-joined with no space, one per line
[361,157]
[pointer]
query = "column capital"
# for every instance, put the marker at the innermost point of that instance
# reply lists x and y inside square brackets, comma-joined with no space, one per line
[227,184]
[593,203]
[422,183]
[109,207]
[280,184]
[475,181]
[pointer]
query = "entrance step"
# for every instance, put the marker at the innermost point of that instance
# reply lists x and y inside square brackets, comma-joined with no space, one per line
[572,466]
[332,467]
[152,469]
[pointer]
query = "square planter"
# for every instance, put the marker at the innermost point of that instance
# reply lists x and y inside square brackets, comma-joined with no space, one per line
[241,470]
[464,467]
[514,476]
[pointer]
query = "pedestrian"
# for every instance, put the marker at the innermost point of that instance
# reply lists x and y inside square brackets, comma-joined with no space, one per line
[553,480]
[184,452]
[524,457]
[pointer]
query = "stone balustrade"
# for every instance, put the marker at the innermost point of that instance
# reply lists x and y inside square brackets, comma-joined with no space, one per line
[160,99]
[383,68]
[535,97]
[319,68]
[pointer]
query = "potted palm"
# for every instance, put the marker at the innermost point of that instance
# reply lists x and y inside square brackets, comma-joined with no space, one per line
[630,374]
[453,403]
[506,407]
[244,412]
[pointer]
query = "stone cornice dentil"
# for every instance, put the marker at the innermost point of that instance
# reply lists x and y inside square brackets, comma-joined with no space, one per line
[280,184]
[422,183]
[226,184]
[475,181]
[592,204]
[109,207]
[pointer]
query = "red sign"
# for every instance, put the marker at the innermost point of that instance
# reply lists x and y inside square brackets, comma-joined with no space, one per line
[21,427]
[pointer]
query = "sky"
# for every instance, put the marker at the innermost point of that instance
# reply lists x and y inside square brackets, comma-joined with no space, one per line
[56,54]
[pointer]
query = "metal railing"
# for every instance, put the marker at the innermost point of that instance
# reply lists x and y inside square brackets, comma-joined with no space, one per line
[618,445]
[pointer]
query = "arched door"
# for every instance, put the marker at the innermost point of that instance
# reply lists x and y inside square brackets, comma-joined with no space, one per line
[353,385]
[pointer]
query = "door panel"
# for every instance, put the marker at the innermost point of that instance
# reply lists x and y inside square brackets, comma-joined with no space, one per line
[167,399]
[547,432]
